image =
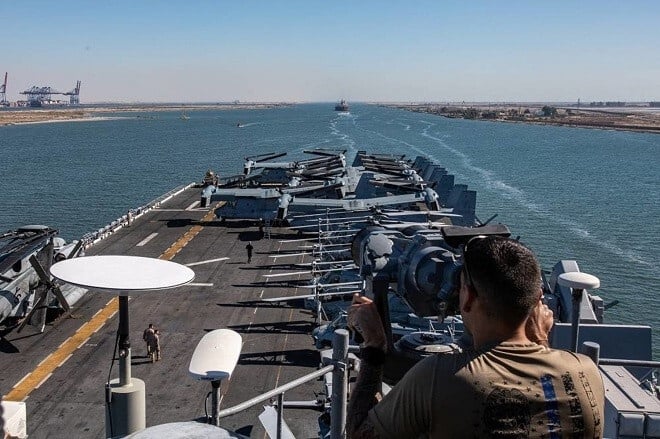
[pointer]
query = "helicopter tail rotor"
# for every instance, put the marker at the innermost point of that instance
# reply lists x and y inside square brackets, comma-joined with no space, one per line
[41,295]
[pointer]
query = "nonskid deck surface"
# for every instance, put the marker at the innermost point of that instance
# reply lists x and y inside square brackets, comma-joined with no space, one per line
[277,346]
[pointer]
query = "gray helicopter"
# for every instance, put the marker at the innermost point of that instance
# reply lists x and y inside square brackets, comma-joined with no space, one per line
[271,204]
[26,289]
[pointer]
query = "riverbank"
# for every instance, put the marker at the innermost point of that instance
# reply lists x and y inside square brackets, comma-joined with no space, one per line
[643,119]
[89,113]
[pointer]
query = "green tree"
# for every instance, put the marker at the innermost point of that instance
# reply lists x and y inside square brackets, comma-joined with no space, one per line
[471,113]
[549,111]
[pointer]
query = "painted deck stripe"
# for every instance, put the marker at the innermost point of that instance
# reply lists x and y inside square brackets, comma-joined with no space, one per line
[44,380]
[146,240]
[23,379]
[41,373]
[208,261]
[44,370]
[66,359]
[193,205]
[186,238]
[199,284]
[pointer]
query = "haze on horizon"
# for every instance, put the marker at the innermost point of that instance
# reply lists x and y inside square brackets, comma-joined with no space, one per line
[309,51]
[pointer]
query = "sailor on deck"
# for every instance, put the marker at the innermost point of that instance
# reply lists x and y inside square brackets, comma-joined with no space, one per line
[151,336]
[249,248]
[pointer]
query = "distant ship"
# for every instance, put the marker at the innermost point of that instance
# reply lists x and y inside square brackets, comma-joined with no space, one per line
[342,106]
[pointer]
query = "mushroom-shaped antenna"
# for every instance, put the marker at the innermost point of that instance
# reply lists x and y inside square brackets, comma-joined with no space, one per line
[578,282]
[213,360]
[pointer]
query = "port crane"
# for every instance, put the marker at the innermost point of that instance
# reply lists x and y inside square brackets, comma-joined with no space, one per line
[37,96]
[74,95]
[3,93]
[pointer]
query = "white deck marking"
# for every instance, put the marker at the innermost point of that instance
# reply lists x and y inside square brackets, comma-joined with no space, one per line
[44,380]
[23,379]
[145,240]
[196,209]
[65,360]
[192,264]
[198,284]
[193,205]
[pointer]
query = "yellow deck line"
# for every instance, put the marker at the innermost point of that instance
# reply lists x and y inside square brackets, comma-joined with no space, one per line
[45,369]
[23,389]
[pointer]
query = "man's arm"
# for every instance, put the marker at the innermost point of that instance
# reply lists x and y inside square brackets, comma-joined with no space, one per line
[363,398]
[363,317]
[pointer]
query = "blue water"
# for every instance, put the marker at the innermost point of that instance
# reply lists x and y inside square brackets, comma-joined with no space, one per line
[589,195]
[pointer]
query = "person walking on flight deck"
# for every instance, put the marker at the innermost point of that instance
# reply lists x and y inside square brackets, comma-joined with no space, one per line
[146,335]
[155,346]
[249,248]
[151,337]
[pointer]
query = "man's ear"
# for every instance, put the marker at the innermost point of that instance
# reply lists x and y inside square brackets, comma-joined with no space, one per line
[468,299]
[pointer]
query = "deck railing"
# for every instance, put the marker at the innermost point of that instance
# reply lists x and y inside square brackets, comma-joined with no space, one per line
[339,365]
[92,238]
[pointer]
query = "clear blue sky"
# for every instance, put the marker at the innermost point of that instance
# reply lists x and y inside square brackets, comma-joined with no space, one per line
[319,50]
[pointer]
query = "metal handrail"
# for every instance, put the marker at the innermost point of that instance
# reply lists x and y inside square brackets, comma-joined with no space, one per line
[628,363]
[276,391]
[338,408]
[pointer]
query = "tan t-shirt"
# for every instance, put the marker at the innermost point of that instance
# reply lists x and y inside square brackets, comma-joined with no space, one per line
[509,390]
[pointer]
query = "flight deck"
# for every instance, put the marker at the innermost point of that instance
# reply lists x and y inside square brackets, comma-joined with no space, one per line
[61,374]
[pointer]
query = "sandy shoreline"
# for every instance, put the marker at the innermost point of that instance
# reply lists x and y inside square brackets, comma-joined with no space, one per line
[618,119]
[88,114]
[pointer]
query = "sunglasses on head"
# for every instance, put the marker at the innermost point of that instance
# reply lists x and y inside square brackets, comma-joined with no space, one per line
[468,277]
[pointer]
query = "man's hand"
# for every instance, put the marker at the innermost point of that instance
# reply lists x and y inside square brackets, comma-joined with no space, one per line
[539,323]
[363,317]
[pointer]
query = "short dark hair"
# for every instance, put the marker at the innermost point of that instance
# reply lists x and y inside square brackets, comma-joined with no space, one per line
[505,274]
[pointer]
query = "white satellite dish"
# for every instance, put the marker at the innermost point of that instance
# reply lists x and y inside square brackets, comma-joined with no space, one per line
[216,355]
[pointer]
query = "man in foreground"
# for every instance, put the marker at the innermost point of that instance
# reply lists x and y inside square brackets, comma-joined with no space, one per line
[508,385]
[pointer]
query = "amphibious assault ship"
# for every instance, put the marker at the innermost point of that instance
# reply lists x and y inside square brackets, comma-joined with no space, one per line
[55,382]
